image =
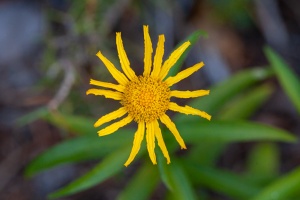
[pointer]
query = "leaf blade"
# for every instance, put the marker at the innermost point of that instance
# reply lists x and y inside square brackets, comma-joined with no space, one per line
[193,38]
[245,106]
[223,92]
[78,149]
[175,178]
[142,184]
[231,131]
[263,163]
[110,165]
[283,188]
[287,78]
[32,116]
[224,182]
[77,124]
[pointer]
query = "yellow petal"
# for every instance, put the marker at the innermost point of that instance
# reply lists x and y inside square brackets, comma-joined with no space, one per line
[188,94]
[188,110]
[111,116]
[115,126]
[138,138]
[148,52]
[150,138]
[172,60]
[107,93]
[119,76]
[119,88]
[125,64]
[160,141]
[183,74]
[171,126]
[158,56]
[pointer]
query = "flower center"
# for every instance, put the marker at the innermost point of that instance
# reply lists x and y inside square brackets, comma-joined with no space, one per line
[146,99]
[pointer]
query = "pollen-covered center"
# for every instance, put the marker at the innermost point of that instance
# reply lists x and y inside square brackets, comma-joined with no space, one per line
[146,99]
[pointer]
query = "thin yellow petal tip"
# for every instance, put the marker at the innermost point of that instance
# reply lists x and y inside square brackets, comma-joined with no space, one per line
[155,163]
[98,53]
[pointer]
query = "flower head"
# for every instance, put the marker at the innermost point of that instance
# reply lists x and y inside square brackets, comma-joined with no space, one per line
[146,98]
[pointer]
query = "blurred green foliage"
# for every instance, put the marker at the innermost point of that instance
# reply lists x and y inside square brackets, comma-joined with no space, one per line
[235,12]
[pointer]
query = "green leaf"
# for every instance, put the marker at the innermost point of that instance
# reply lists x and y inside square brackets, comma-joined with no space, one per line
[32,116]
[283,188]
[174,177]
[79,149]
[221,181]
[263,163]
[207,153]
[225,91]
[74,123]
[287,78]
[246,105]
[141,184]
[193,38]
[108,167]
[231,131]
[164,171]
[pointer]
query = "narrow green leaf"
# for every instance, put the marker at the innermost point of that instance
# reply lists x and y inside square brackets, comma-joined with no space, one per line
[263,163]
[79,149]
[287,78]
[141,184]
[231,131]
[77,124]
[32,116]
[246,105]
[224,182]
[193,38]
[174,177]
[207,153]
[283,188]
[108,167]
[263,158]
[164,171]
[201,194]
[225,91]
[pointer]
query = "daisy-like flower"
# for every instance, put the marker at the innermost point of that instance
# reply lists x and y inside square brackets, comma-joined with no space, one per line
[146,98]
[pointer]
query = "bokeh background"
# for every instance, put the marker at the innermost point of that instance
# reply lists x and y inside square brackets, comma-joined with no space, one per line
[47,56]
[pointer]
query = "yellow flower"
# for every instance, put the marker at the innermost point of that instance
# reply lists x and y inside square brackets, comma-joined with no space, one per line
[146,98]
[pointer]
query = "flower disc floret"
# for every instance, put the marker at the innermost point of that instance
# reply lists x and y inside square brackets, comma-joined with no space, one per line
[146,98]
